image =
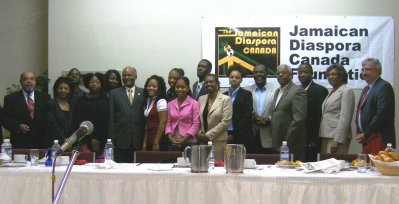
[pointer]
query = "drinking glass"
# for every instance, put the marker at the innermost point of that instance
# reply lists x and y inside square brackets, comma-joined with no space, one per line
[361,163]
[34,157]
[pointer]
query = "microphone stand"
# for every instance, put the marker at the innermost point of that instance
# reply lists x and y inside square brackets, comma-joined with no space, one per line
[75,154]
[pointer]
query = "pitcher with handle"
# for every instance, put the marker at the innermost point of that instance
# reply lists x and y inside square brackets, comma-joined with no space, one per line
[199,157]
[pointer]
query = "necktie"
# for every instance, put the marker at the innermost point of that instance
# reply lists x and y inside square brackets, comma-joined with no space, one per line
[31,106]
[130,96]
[366,90]
[198,90]
[359,109]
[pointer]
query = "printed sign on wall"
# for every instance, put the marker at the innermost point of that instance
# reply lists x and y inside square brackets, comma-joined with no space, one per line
[318,40]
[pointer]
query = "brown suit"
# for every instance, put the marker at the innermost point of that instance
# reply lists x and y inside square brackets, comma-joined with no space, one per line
[219,116]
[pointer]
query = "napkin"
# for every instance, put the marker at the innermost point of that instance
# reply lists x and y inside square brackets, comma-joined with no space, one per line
[109,164]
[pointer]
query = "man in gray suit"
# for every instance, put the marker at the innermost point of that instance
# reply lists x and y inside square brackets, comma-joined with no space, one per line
[289,114]
[262,95]
[126,127]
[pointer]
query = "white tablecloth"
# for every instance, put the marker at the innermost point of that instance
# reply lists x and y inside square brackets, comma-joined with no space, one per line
[156,183]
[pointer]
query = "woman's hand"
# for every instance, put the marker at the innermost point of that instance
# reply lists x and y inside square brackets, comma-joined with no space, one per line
[202,137]
[155,146]
[334,147]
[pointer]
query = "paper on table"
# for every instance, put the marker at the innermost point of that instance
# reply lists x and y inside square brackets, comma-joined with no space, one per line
[322,165]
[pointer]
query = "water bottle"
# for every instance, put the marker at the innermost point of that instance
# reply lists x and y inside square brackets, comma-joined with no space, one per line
[285,152]
[389,148]
[211,156]
[109,151]
[54,150]
[6,148]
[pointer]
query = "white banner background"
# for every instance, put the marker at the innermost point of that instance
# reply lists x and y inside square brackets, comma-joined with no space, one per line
[379,43]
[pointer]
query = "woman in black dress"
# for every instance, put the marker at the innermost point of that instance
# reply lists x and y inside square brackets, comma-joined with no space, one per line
[93,107]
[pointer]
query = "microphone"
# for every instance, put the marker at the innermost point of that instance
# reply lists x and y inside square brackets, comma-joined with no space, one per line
[85,128]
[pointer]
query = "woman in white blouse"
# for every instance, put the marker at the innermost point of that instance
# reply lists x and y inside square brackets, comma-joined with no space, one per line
[155,112]
[337,112]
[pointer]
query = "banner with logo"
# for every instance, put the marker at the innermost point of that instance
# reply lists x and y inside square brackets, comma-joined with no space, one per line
[318,40]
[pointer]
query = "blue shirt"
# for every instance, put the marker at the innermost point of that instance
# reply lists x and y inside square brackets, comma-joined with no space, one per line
[260,96]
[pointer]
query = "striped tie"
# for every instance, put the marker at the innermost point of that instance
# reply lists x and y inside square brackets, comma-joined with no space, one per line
[31,106]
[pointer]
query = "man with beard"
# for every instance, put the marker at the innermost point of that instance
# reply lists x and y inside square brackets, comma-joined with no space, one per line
[316,95]
[289,114]
[74,75]
[126,119]
[204,67]
[262,95]
[24,114]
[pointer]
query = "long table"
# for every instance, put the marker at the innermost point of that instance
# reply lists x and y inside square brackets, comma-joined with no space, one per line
[160,183]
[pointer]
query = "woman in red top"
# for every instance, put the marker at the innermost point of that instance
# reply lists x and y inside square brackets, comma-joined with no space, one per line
[154,112]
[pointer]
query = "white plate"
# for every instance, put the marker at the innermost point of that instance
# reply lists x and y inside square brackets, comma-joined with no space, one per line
[14,165]
[181,166]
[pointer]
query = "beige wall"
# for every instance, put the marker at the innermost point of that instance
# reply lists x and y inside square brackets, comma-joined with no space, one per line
[23,33]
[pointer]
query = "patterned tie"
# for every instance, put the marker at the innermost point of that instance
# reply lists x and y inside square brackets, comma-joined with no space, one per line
[31,106]
[130,96]
[198,90]
[366,89]
[359,109]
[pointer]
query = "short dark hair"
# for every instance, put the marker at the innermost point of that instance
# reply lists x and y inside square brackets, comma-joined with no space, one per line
[308,66]
[342,74]
[235,67]
[161,87]
[61,80]
[208,62]
[214,77]
[187,82]
[178,70]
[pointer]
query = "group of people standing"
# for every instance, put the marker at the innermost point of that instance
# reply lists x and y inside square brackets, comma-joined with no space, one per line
[260,116]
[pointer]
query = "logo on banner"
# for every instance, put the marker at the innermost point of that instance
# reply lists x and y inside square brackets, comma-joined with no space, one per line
[247,47]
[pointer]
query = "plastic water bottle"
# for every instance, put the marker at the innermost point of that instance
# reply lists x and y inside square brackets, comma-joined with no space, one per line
[285,152]
[6,148]
[109,151]
[54,150]
[211,156]
[389,148]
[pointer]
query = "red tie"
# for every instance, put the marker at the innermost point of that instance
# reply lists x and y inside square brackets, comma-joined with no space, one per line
[31,105]
[364,95]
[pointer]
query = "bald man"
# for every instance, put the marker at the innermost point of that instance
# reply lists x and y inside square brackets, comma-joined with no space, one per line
[289,114]
[24,114]
[126,121]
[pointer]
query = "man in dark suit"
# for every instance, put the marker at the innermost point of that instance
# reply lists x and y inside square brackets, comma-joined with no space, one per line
[289,114]
[126,121]
[204,67]
[24,114]
[75,76]
[239,129]
[316,95]
[376,110]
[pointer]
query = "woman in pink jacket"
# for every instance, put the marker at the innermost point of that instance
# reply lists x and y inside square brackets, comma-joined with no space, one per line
[183,118]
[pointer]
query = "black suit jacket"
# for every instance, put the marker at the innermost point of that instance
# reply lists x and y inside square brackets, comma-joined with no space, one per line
[242,117]
[59,127]
[316,95]
[16,113]
[378,112]
[201,92]
[126,122]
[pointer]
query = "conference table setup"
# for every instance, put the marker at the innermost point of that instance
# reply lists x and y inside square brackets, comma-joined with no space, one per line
[165,183]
